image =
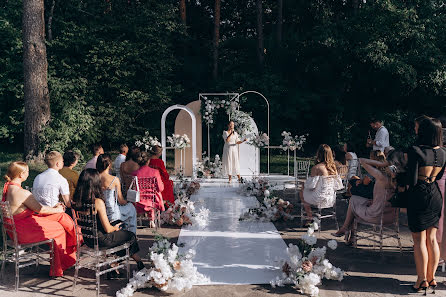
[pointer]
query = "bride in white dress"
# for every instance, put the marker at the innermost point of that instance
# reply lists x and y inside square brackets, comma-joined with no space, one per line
[231,165]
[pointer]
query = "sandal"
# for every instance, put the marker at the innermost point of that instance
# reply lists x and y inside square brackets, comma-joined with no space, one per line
[341,232]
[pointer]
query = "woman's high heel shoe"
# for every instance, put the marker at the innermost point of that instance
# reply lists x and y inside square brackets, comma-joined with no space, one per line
[433,285]
[423,286]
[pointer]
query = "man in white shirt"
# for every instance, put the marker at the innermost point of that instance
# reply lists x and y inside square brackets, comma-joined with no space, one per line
[123,150]
[97,150]
[381,140]
[50,184]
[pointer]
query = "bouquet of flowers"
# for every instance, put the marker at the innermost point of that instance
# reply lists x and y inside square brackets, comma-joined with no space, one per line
[307,265]
[207,168]
[169,270]
[293,143]
[273,209]
[259,140]
[258,187]
[147,142]
[179,141]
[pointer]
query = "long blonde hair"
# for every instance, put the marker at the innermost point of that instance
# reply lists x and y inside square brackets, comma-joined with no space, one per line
[325,155]
[14,170]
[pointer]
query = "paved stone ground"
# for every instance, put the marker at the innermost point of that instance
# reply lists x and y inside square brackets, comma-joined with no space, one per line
[368,272]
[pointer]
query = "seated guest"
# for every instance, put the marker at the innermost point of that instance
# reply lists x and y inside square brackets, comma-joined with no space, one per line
[70,160]
[50,184]
[88,191]
[35,222]
[364,187]
[146,204]
[96,150]
[128,167]
[117,207]
[370,211]
[320,188]
[352,159]
[157,163]
[339,156]
[123,150]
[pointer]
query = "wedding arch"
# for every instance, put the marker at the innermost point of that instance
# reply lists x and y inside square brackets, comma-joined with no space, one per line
[194,133]
[233,99]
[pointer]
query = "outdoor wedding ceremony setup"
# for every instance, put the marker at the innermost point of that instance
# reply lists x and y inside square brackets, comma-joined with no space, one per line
[210,148]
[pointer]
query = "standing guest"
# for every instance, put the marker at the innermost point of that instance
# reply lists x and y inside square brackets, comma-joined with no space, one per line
[146,204]
[320,188]
[88,191]
[231,165]
[70,160]
[426,164]
[50,184]
[441,233]
[123,150]
[352,159]
[96,150]
[128,167]
[157,163]
[381,140]
[35,222]
[118,209]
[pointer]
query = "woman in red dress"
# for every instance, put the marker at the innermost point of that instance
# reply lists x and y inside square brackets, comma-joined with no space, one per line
[157,163]
[146,204]
[35,222]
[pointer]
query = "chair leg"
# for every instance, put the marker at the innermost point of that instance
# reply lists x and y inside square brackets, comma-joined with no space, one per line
[98,282]
[399,239]
[127,264]
[76,274]
[381,239]
[17,274]
[301,214]
[354,230]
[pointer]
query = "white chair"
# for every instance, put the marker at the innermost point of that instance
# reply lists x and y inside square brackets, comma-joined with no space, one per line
[21,255]
[148,187]
[343,174]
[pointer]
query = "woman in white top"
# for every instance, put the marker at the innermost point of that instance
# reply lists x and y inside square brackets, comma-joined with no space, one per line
[320,188]
[352,159]
[231,164]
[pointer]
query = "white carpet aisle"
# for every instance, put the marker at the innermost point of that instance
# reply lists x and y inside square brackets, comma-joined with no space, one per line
[229,251]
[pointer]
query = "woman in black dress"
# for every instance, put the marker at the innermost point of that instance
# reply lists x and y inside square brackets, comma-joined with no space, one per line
[88,191]
[426,164]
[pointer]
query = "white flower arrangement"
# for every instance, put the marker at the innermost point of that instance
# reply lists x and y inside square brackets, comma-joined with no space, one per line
[147,142]
[242,122]
[256,187]
[207,168]
[293,143]
[259,140]
[211,107]
[272,208]
[307,265]
[179,141]
[169,270]
[183,212]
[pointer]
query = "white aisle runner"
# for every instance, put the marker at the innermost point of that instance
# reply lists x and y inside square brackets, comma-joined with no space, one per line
[229,251]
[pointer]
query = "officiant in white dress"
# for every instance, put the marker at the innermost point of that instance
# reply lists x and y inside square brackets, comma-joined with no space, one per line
[231,165]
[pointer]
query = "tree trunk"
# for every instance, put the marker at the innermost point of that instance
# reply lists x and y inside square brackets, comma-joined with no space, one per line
[216,39]
[35,70]
[183,11]
[279,22]
[50,21]
[260,48]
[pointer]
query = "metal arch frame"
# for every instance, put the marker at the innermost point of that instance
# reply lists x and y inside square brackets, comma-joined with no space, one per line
[194,134]
[267,104]
[231,96]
